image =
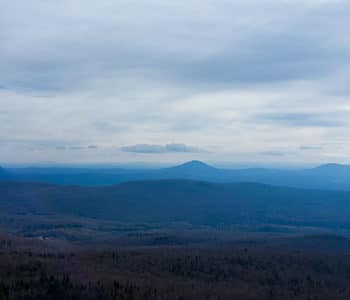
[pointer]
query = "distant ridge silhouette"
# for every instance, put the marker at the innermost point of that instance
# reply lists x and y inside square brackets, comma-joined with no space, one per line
[171,200]
[193,165]
[3,173]
[325,177]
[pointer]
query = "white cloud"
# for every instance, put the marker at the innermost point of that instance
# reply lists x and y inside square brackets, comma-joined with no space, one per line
[157,149]
[236,78]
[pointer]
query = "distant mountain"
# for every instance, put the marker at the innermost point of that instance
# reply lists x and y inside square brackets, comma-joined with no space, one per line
[3,173]
[188,201]
[331,169]
[194,169]
[330,176]
[194,166]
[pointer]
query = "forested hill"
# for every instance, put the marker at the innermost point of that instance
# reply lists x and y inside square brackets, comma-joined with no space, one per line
[330,176]
[2,172]
[182,201]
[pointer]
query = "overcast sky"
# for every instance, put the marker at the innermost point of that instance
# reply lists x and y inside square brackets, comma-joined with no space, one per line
[169,81]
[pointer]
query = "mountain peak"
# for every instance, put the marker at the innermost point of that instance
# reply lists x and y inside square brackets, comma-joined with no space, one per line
[196,164]
[193,166]
[332,166]
[333,170]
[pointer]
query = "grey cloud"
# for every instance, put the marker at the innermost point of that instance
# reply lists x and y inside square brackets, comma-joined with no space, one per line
[264,59]
[300,119]
[4,112]
[61,147]
[273,153]
[307,148]
[181,148]
[173,71]
[261,62]
[35,143]
[76,147]
[267,53]
[144,148]
[109,127]
[168,148]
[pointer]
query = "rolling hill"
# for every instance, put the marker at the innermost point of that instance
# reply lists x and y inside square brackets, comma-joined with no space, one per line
[330,177]
[3,173]
[194,202]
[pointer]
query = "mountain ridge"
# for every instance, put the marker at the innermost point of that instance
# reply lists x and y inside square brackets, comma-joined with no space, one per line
[328,176]
[195,202]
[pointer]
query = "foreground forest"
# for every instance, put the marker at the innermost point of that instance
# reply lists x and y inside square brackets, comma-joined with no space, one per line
[174,240]
[34,269]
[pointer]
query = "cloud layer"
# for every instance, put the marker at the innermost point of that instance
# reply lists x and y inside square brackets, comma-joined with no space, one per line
[245,80]
[169,148]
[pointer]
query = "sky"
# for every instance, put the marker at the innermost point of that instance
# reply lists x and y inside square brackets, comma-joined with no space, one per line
[256,81]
